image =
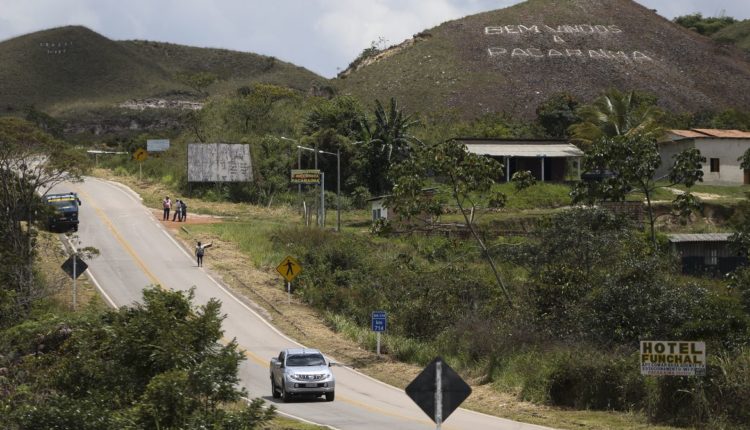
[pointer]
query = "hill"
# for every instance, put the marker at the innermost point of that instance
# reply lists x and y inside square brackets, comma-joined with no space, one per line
[62,67]
[511,60]
[737,34]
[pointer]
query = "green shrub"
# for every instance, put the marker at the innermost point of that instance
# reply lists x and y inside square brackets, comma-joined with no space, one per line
[120,171]
[592,380]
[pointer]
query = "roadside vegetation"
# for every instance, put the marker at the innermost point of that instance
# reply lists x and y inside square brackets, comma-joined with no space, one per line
[529,289]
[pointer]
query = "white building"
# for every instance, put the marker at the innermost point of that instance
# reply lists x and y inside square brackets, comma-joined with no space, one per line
[546,159]
[721,148]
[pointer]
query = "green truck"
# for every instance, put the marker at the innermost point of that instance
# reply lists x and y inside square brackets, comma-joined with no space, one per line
[63,213]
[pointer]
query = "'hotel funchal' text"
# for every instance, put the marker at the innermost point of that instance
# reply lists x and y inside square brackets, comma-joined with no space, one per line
[559,35]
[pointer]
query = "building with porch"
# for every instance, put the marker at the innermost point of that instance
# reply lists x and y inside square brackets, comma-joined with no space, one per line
[721,148]
[546,159]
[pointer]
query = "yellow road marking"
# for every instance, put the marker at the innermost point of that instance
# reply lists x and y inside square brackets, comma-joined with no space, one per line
[252,356]
[121,240]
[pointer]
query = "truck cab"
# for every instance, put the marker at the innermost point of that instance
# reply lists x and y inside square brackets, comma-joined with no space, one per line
[62,211]
[298,371]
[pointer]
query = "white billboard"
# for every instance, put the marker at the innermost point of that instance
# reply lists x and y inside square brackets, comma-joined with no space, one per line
[157,145]
[678,358]
[219,162]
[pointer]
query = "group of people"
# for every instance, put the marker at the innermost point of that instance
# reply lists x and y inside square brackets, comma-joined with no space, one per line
[180,209]
[180,214]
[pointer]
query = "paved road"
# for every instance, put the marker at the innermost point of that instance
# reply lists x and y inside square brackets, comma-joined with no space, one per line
[137,251]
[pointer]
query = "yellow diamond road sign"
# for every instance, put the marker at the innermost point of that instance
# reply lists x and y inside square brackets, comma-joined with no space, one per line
[140,155]
[289,268]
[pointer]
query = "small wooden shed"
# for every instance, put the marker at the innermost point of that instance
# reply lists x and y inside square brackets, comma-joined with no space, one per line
[706,253]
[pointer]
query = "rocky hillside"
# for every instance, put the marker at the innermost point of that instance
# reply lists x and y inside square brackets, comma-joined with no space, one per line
[511,60]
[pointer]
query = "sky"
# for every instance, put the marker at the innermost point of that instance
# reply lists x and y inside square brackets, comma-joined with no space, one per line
[322,35]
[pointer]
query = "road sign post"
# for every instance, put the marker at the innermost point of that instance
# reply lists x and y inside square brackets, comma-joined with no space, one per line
[438,390]
[74,267]
[379,323]
[140,155]
[289,269]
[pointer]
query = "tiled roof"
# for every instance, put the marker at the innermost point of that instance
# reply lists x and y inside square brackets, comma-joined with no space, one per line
[711,132]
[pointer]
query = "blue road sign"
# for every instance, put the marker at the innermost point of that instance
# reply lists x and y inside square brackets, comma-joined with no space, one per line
[379,321]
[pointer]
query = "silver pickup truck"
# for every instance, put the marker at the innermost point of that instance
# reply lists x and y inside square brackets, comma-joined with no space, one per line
[301,371]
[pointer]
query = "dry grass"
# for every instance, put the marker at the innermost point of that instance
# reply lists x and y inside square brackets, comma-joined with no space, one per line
[51,255]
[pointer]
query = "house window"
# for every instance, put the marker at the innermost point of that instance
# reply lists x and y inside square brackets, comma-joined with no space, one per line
[712,259]
[715,165]
[376,214]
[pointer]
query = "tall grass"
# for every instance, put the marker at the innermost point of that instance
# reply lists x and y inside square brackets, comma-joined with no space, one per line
[252,238]
[402,348]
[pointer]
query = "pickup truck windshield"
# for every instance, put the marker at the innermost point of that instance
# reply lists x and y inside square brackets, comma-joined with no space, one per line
[305,360]
[63,204]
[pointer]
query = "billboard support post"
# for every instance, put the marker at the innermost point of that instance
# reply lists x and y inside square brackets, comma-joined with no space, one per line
[322,209]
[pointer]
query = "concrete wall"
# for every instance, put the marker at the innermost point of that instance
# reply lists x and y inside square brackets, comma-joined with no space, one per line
[727,151]
[377,208]
[667,151]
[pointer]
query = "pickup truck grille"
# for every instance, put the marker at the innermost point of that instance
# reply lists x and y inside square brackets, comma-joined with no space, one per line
[311,377]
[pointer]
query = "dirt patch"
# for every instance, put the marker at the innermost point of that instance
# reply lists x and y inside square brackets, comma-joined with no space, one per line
[191,219]
[702,196]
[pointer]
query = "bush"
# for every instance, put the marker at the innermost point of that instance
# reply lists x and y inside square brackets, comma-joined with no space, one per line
[592,380]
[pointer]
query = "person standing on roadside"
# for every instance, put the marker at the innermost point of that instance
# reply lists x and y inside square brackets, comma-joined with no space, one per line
[199,251]
[166,204]
[183,210]
[177,212]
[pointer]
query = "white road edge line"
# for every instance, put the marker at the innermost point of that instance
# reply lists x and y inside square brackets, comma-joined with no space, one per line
[93,279]
[294,417]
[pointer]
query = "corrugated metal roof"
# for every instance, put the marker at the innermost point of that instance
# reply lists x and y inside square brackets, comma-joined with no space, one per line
[712,132]
[699,237]
[524,149]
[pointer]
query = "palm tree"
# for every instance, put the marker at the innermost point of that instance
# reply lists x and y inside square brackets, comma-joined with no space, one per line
[616,114]
[388,142]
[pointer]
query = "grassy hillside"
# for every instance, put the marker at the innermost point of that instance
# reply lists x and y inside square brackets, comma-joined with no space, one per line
[233,68]
[74,66]
[511,60]
[737,34]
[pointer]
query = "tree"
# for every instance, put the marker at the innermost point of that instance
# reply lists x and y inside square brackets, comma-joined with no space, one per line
[198,81]
[31,163]
[343,114]
[592,278]
[386,141]
[164,355]
[466,175]
[557,114]
[634,159]
[251,108]
[617,114]
[523,179]
[331,126]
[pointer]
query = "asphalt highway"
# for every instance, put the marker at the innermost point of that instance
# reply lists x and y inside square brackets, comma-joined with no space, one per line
[137,251]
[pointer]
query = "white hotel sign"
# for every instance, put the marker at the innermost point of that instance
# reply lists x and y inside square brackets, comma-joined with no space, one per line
[677,358]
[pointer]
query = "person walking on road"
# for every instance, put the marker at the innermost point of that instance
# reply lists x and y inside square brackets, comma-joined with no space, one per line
[166,204]
[183,210]
[177,211]
[199,251]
